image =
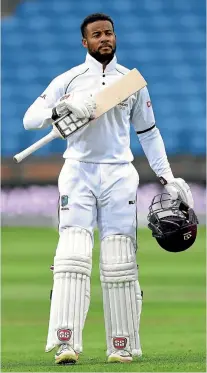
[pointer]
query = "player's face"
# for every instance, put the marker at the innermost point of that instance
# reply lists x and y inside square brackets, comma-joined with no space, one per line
[100,40]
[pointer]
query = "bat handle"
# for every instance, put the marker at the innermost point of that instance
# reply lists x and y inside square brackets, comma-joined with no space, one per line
[37,145]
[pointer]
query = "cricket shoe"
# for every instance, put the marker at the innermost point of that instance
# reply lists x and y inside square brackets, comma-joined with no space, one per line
[120,356]
[66,355]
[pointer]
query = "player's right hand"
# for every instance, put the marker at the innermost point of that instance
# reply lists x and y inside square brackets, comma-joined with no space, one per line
[81,107]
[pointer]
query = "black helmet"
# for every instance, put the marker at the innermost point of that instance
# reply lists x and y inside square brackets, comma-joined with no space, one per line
[173,223]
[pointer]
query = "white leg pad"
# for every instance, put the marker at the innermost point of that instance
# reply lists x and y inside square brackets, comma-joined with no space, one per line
[71,288]
[121,294]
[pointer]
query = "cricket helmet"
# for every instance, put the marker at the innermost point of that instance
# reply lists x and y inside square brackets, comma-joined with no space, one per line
[173,223]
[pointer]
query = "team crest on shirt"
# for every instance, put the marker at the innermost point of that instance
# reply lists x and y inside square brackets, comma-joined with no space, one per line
[64,200]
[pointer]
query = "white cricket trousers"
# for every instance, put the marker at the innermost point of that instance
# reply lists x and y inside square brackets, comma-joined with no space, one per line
[102,195]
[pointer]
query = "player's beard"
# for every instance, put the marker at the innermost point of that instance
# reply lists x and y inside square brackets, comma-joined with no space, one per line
[106,57]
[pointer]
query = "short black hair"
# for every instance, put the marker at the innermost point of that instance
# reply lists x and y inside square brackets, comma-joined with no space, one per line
[93,18]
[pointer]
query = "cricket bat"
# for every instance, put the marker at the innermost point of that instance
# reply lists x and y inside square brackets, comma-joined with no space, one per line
[105,100]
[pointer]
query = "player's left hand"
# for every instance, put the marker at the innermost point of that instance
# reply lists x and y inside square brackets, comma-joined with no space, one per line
[178,188]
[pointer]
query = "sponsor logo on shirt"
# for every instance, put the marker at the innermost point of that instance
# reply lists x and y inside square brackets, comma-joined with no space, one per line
[64,97]
[43,96]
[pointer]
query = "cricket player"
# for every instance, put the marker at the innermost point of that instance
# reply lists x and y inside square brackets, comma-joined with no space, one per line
[98,186]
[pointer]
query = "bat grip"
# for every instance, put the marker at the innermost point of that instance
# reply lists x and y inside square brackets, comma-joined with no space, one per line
[37,145]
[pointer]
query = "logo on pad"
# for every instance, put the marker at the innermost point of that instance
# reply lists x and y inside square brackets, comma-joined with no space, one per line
[119,342]
[64,335]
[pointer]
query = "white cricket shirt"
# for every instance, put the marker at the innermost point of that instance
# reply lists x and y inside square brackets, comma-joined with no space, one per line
[107,139]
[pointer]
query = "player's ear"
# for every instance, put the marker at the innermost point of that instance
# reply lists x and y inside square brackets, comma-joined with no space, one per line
[84,43]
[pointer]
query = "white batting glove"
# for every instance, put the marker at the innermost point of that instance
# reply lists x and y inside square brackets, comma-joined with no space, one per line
[60,110]
[178,188]
[81,107]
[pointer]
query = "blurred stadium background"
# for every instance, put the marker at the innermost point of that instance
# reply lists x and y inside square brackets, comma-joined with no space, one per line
[165,40]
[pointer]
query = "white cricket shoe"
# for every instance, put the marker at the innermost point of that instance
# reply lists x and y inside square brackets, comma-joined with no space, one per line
[120,356]
[66,355]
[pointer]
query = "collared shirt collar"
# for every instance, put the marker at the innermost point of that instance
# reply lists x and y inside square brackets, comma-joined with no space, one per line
[97,66]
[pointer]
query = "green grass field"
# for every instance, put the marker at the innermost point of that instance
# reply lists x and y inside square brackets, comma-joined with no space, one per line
[173,319]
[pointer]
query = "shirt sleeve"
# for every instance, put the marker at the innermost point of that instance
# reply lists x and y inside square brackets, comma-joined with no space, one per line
[154,149]
[39,113]
[142,116]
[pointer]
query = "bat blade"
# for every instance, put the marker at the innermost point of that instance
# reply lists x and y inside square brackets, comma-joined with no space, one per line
[119,91]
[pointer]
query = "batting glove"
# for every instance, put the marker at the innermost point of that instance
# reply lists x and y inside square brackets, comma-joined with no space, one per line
[81,107]
[178,188]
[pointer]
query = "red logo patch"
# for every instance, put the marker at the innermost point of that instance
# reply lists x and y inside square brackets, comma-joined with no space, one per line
[119,342]
[64,334]
[149,103]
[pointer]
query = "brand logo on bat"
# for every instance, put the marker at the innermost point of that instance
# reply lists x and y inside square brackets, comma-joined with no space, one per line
[119,342]
[123,105]
[64,334]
